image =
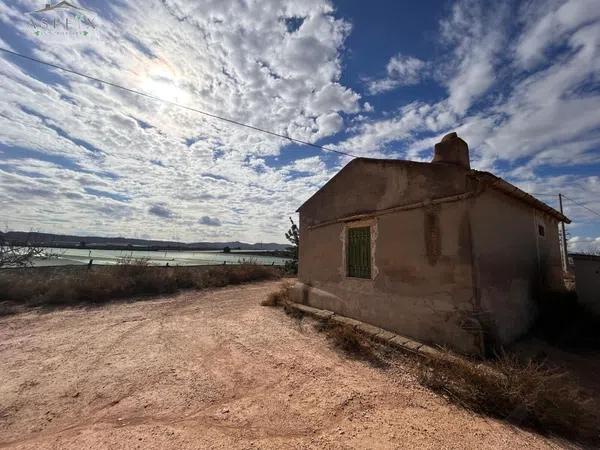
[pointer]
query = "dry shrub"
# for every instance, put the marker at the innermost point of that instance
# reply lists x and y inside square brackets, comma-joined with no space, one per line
[525,393]
[351,343]
[33,287]
[243,273]
[347,339]
[282,297]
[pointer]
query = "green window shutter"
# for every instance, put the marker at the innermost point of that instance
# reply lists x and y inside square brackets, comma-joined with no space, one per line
[358,252]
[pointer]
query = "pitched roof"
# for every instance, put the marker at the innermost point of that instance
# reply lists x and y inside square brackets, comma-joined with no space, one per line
[489,179]
[513,191]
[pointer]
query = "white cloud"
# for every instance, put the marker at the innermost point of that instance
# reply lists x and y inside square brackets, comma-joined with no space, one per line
[474,33]
[154,161]
[311,165]
[542,116]
[75,155]
[584,244]
[546,29]
[401,71]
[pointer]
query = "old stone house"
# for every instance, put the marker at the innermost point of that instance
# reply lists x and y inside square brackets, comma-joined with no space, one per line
[434,251]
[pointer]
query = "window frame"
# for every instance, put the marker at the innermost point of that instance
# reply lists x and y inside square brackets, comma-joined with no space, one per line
[541,230]
[344,269]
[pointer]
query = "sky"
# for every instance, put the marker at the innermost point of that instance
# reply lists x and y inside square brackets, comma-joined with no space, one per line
[519,81]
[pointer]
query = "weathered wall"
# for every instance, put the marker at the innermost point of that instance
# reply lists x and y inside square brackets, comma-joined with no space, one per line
[422,280]
[513,265]
[441,273]
[587,281]
[369,185]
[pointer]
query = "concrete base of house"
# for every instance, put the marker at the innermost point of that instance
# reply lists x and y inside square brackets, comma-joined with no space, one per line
[377,334]
[397,316]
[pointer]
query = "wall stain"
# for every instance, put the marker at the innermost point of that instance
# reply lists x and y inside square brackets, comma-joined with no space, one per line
[433,235]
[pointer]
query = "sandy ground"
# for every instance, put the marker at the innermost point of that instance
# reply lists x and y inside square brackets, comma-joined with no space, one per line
[213,370]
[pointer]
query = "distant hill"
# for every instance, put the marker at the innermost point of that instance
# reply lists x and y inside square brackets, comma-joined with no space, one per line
[60,240]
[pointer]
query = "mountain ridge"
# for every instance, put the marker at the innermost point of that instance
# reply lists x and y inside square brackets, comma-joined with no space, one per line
[78,241]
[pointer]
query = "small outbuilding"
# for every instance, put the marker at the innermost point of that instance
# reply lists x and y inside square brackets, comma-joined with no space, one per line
[435,251]
[587,280]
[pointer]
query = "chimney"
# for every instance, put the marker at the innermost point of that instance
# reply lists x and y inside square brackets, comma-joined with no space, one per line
[452,150]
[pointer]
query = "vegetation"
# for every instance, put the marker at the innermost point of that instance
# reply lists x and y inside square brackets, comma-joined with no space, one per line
[278,298]
[17,256]
[525,393]
[293,236]
[30,288]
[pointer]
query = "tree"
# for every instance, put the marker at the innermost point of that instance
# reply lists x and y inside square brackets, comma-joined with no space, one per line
[293,236]
[17,256]
[226,249]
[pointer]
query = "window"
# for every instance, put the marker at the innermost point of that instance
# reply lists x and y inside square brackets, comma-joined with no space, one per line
[541,230]
[358,252]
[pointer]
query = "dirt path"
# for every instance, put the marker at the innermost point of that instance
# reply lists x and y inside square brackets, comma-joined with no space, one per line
[213,370]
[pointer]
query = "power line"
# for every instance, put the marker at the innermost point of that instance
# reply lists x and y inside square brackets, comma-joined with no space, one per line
[143,94]
[582,205]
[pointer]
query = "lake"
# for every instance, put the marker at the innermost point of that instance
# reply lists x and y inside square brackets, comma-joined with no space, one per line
[77,256]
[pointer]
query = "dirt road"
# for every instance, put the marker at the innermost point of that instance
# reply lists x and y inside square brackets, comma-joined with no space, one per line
[213,370]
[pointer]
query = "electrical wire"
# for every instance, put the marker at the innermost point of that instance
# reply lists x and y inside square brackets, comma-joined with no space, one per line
[582,205]
[143,94]
[215,116]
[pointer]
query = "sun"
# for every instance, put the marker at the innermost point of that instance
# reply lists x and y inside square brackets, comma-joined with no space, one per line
[163,82]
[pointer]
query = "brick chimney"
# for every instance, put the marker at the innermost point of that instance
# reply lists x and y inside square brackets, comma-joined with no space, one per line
[452,150]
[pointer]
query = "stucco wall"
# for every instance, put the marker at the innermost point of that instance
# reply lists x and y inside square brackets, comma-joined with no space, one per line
[513,265]
[422,280]
[587,281]
[364,186]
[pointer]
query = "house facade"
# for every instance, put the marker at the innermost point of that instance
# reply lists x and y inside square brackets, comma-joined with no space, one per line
[434,251]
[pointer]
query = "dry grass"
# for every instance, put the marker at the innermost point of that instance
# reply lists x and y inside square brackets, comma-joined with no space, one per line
[279,298]
[283,298]
[526,393]
[27,288]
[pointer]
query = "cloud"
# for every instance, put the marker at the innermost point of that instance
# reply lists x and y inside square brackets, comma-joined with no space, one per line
[584,244]
[161,211]
[475,35]
[546,116]
[547,25]
[256,63]
[520,91]
[311,165]
[210,221]
[401,71]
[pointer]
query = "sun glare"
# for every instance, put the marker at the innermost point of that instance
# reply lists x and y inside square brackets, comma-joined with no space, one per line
[159,80]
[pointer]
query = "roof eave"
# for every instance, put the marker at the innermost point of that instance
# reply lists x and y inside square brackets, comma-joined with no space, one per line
[509,189]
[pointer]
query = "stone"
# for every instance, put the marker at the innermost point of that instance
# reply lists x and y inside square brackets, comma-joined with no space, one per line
[346,321]
[369,330]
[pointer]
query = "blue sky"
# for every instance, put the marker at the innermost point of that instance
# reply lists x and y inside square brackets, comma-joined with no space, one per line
[519,81]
